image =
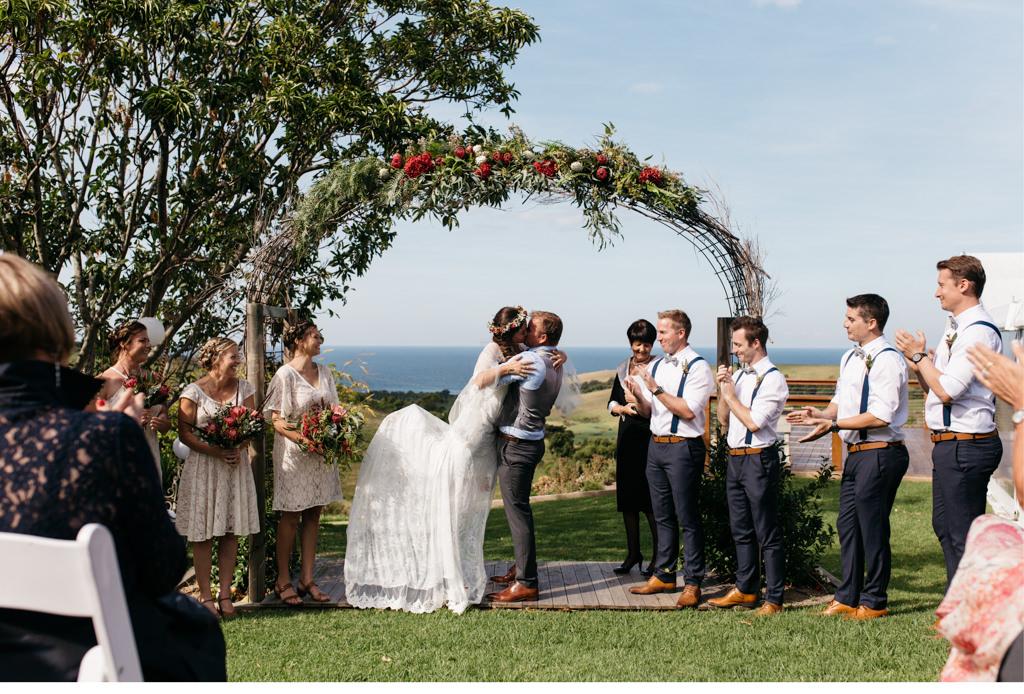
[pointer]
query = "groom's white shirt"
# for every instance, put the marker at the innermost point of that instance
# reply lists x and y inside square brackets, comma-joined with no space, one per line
[532,382]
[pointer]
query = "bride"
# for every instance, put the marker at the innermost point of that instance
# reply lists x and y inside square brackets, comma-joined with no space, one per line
[416,528]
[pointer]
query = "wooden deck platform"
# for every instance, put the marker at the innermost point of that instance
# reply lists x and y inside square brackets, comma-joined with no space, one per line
[565,585]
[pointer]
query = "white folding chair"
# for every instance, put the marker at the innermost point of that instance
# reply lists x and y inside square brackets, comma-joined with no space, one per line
[75,578]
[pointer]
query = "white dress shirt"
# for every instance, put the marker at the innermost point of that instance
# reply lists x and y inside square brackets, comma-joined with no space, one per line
[765,408]
[887,391]
[973,406]
[700,383]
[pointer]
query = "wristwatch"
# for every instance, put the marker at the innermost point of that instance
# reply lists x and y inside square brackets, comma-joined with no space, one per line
[657,391]
[1017,417]
[918,356]
[835,427]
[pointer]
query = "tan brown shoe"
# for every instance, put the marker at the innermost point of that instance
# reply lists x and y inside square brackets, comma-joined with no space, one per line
[516,592]
[864,613]
[768,609]
[837,609]
[506,578]
[690,596]
[654,585]
[734,598]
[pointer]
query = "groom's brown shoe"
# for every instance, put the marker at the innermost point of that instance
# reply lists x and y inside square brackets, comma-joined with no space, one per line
[506,578]
[734,598]
[516,592]
[654,585]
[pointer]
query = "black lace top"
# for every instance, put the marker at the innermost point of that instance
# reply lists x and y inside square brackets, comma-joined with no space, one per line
[61,468]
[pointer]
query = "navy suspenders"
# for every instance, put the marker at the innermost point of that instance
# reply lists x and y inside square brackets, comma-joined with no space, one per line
[866,387]
[682,384]
[947,410]
[750,434]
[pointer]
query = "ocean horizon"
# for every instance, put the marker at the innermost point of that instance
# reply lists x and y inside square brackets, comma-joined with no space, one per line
[428,369]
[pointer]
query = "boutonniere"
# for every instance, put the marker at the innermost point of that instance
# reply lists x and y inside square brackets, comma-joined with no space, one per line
[950,340]
[686,367]
[869,361]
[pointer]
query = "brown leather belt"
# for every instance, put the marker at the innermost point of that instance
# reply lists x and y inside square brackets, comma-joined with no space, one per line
[954,436]
[745,451]
[509,438]
[671,439]
[871,446]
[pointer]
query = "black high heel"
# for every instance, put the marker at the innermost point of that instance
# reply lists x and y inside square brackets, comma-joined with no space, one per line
[628,565]
[649,571]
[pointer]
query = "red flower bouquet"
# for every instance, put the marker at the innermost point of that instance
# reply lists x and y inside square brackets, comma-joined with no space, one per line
[547,167]
[333,430]
[156,392]
[651,175]
[231,426]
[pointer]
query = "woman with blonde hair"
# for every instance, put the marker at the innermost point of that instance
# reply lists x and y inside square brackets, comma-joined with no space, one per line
[216,493]
[130,347]
[64,467]
[303,481]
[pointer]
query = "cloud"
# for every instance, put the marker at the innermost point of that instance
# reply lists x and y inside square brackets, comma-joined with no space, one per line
[645,87]
[784,4]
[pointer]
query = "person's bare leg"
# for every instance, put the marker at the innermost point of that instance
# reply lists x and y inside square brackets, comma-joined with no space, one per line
[201,558]
[286,530]
[227,554]
[310,533]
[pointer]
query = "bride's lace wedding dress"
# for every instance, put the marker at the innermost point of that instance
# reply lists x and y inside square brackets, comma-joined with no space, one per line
[416,529]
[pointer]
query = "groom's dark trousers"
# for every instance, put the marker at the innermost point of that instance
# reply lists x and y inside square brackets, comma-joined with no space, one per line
[518,460]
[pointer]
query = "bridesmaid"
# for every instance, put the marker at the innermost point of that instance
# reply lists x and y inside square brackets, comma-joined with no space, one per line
[217,493]
[303,482]
[632,494]
[129,347]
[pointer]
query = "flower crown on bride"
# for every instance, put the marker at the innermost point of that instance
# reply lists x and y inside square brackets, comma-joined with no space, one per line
[513,324]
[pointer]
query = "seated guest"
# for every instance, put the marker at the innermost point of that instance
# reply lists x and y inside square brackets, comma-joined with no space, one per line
[632,495]
[65,468]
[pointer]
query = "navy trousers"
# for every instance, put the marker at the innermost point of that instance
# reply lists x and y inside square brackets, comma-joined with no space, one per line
[674,471]
[752,490]
[960,475]
[866,496]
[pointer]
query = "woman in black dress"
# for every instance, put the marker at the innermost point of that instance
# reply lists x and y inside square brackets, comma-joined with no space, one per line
[632,494]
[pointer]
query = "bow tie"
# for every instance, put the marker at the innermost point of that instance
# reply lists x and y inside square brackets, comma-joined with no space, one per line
[672,360]
[747,369]
[953,323]
[858,352]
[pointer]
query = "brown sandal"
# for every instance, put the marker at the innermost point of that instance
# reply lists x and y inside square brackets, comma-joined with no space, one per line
[226,614]
[319,596]
[292,600]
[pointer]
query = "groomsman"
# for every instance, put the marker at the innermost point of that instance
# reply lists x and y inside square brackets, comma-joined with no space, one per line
[675,392]
[958,409]
[751,402]
[868,411]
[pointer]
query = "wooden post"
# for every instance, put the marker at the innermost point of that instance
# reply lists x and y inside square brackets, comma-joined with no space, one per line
[724,342]
[837,453]
[255,353]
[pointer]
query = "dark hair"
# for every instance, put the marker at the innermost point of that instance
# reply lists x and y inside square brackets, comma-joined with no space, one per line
[551,324]
[679,318]
[965,267]
[641,330]
[753,329]
[871,306]
[293,332]
[506,316]
[123,335]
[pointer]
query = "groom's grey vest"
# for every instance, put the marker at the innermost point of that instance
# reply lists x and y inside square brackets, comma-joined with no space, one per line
[527,409]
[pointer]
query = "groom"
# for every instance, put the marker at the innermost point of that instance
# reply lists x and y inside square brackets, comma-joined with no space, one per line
[521,447]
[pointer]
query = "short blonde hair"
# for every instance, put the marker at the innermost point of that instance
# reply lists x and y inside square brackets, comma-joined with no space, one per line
[33,313]
[679,318]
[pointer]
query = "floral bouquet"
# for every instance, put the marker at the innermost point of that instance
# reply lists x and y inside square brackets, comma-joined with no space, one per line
[334,431]
[231,426]
[156,392]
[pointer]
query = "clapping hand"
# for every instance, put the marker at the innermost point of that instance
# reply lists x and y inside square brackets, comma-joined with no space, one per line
[911,344]
[1000,374]
[821,427]
[725,384]
[633,387]
[629,408]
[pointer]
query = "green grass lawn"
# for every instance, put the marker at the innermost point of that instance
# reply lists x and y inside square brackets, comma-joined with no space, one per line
[516,645]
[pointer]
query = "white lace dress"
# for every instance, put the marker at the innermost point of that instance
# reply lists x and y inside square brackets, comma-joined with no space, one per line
[301,480]
[152,437]
[215,498]
[416,529]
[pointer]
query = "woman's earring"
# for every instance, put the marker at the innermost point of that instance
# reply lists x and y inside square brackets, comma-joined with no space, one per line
[56,373]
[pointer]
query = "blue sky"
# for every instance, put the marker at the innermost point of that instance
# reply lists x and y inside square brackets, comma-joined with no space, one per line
[858,141]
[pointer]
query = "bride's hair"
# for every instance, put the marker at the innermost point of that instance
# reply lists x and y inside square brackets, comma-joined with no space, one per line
[510,319]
